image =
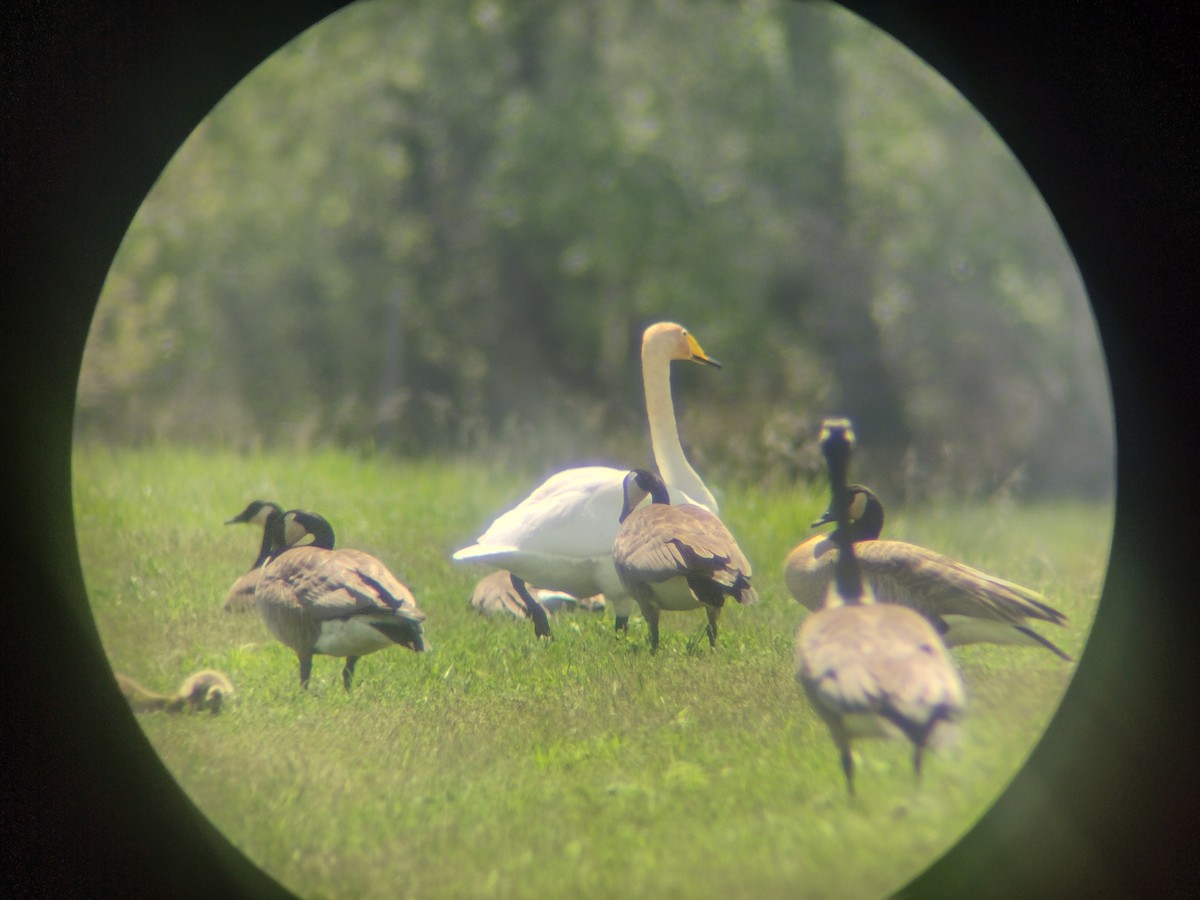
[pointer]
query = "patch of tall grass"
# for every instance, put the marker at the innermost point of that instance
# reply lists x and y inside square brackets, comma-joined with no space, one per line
[499,766]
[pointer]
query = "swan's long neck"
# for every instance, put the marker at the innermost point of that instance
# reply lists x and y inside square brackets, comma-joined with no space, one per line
[677,472]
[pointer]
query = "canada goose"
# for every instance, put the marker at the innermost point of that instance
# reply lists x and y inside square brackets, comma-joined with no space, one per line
[206,689]
[346,603]
[965,605]
[495,595]
[871,669]
[676,557]
[241,596]
[560,536]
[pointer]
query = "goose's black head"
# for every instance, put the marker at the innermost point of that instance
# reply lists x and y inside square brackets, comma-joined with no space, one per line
[866,514]
[301,522]
[837,444]
[283,530]
[255,513]
[639,484]
[258,512]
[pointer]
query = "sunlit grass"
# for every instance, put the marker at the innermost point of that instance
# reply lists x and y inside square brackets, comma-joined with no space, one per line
[498,766]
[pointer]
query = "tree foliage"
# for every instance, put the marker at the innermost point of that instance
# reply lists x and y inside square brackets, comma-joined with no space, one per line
[441,227]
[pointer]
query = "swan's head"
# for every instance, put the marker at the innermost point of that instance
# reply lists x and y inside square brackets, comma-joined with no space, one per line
[255,513]
[673,341]
[640,484]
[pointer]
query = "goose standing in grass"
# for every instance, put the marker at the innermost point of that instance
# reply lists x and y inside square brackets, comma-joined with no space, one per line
[206,689]
[560,537]
[317,600]
[494,595]
[871,669]
[965,605]
[241,596]
[676,557]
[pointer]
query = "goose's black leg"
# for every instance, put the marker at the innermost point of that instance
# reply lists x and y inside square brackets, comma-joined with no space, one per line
[348,671]
[650,614]
[537,612]
[841,738]
[848,768]
[305,670]
[714,613]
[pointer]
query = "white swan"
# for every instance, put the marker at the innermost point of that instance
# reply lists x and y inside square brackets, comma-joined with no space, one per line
[561,536]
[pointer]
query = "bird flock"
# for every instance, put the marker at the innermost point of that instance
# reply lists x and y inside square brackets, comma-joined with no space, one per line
[871,655]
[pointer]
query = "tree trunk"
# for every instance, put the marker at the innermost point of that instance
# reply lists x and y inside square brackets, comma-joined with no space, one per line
[837,288]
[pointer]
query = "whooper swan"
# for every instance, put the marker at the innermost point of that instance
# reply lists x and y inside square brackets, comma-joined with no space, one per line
[560,537]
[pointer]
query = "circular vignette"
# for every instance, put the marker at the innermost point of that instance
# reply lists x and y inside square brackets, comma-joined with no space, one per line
[82,853]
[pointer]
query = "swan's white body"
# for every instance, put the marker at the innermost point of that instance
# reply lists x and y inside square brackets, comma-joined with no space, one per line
[561,536]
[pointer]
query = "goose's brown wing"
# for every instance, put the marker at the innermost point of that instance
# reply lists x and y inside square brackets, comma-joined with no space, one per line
[494,594]
[241,594]
[374,584]
[659,542]
[877,659]
[332,584]
[937,585]
[808,570]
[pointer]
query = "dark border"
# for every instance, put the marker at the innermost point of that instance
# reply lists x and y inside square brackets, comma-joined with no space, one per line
[1099,103]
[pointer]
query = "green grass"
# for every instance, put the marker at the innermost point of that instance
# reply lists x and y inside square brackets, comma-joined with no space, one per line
[497,766]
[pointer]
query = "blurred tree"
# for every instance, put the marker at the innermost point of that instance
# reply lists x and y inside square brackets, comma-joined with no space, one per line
[974,293]
[440,227]
[832,299]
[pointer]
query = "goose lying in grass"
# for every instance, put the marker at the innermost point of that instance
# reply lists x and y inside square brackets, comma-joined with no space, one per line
[495,595]
[203,690]
[560,537]
[676,557]
[871,669]
[965,605]
[318,600]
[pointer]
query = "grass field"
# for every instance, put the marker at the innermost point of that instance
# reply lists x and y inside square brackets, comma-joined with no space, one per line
[497,766]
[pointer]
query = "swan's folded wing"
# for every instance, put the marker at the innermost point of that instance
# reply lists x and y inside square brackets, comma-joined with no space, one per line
[573,513]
